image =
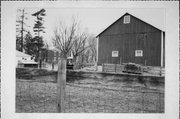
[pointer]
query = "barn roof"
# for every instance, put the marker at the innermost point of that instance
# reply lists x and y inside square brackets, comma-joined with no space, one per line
[122,17]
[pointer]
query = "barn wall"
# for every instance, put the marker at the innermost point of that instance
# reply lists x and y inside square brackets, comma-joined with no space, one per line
[126,38]
[164,48]
[135,26]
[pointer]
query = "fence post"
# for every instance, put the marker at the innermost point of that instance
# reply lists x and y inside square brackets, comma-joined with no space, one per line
[160,73]
[103,67]
[120,61]
[142,102]
[115,67]
[159,103]
[61,83]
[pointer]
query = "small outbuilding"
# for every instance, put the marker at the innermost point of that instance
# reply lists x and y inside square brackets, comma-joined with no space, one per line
[130,39]
[25,60]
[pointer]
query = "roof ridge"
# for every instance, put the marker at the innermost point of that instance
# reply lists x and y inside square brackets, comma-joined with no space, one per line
[121,17]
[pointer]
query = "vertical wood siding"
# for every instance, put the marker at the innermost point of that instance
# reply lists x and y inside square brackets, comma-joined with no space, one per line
[126,38]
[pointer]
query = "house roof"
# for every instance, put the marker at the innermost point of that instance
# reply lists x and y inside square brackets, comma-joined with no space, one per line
[122,17]
[26,62]
[21,54]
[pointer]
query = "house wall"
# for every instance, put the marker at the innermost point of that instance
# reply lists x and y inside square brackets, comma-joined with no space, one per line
[25,58]
[53,56]
[126,38]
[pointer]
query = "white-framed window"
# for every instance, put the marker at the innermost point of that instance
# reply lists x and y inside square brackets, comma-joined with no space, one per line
[115,53]
[138,53]
[126,19]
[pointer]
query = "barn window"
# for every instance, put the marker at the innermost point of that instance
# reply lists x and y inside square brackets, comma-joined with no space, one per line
[138,53]
[127,19]
[114,53]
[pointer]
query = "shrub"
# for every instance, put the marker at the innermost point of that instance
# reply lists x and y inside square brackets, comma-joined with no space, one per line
[132,66]
[29,72]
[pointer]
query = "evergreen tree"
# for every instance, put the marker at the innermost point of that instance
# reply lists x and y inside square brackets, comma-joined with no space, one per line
[38,29]
[30,46]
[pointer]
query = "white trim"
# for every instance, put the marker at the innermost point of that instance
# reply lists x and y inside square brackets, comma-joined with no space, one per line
[126,19]
[97,50]
[162,48]
[115,53]
[138,53]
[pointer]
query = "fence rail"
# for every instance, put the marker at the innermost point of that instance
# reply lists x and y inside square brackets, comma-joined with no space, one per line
[113,67]
[106,67]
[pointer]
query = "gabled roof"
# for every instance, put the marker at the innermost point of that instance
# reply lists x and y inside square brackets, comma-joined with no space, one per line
[27,62]
[122,17]
[21,54]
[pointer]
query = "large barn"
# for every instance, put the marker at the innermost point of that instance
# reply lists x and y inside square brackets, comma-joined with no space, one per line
[130,39]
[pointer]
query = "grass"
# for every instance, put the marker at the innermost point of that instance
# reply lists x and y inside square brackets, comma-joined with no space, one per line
[90,96]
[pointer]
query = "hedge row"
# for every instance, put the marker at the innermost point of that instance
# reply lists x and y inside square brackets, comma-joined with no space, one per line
[28,73]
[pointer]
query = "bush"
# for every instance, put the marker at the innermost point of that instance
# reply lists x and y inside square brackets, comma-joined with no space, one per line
[30,72]
[132,67]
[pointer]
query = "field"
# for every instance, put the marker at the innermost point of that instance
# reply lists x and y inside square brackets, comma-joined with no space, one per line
[90,95]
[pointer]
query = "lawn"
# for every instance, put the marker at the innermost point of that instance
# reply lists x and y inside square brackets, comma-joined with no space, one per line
[90,95]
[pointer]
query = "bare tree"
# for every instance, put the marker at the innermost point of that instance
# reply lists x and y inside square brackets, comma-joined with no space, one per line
[70,39]
[44,52]
[63,37]
[79,45]
[92,48]
[63,41]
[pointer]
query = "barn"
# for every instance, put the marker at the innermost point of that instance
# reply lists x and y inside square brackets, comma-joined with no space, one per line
[130,39]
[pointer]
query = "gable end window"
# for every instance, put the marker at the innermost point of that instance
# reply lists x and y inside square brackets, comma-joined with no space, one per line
[127,19]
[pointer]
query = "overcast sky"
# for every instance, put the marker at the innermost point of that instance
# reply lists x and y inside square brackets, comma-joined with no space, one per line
[94,20]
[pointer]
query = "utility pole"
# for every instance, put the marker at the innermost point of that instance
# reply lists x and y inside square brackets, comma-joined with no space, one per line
[22,29]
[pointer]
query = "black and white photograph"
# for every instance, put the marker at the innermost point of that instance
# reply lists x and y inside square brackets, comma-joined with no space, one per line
[121,69]
[75,58]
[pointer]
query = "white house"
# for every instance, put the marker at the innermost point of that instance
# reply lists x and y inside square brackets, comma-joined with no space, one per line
[25,60]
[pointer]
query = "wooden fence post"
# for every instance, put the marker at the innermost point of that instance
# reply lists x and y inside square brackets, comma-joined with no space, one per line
[160,73]
[61,84]
[103,67]
[115,67]
[120,61]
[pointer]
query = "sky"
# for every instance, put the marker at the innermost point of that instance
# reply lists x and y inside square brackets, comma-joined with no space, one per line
[93,20]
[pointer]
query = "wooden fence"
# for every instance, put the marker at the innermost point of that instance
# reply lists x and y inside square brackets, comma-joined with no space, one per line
[112,68]
[118,68]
